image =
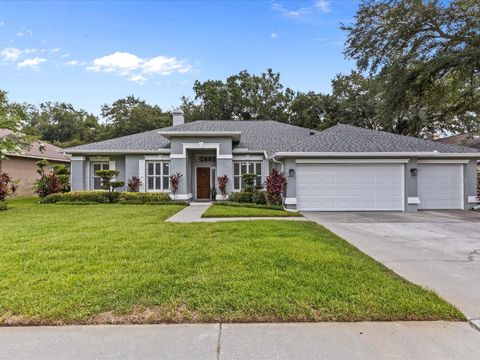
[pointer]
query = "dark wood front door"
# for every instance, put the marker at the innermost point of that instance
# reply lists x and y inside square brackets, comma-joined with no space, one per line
[203,183]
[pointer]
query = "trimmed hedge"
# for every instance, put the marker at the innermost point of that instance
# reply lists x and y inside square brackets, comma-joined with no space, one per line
[144,198]
[256,197]
[3,205]
[249,205]
[102,197]
[77,203]
[137,202]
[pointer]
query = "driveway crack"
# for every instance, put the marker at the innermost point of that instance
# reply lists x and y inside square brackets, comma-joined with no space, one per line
[219,340]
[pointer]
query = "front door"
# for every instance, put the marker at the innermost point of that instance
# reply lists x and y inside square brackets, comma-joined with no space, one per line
[203,183]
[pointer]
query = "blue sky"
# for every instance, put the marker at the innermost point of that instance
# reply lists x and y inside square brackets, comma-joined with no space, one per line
[92,53]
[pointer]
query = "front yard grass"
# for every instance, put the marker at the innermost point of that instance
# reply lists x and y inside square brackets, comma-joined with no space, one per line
[66,264]
[221,211]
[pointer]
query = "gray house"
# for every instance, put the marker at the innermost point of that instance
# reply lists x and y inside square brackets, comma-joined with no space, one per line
[343,168]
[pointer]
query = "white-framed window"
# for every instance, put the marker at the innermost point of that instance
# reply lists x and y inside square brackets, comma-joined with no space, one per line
[246,167]
[97,180]
[158,175]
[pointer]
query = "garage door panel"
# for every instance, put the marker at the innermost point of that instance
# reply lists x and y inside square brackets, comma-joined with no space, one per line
[350,187]
[440,186]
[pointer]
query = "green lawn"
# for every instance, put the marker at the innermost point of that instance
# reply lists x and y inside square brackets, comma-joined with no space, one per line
[240,211]
[62,264]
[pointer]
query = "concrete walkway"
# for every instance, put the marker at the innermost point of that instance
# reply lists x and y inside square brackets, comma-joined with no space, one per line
[361,340]
[193,213]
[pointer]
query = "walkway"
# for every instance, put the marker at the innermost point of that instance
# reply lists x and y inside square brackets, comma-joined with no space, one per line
[360,340]
[193,213]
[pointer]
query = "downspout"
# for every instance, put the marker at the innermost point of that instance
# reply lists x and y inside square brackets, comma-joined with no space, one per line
[281,164]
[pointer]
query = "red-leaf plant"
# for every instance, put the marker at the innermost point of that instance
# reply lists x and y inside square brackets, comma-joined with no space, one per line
[275,185]
[7,187]
[134,183]
[174,182]
[222,185]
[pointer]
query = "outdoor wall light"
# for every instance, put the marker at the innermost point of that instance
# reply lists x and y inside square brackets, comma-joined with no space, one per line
[414,172]
[291,173]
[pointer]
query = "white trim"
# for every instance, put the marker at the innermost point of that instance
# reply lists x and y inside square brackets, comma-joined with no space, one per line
[87,164]
[290,201]
[351,161]
[159,157]
[413,200]
[78,158]
[99,158]
[111,165]
[181,196]
[247,151]
[248,158]
[220,197]
[251,161]
[92,176]
[444,161]
[141,175]
[108,152]
[226,157]
[473,200]
[168,134]
[161,175]
[378,154]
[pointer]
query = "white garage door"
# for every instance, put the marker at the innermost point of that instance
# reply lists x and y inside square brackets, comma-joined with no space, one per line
[350,187]
[440,186]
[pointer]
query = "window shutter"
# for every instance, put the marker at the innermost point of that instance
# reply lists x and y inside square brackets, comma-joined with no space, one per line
[141,174]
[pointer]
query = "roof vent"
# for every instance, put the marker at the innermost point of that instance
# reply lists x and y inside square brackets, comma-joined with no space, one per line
[312,132]
[178,118]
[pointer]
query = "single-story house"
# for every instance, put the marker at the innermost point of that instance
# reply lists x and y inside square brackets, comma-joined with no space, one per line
[23,166]
[343,168]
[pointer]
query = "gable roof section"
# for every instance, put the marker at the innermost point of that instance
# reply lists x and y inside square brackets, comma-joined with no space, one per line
[470,140]
[268,135]
[343,138]
[51,152]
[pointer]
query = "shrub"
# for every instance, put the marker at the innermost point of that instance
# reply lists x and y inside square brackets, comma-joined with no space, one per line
[259,197]
[108,179]
[134,183]
[8,188]
[101,197]
[275,184]
[143,198]
[249,196]
[174,182]
[222,185]
[255,206]
[249,180]
[77,203]
[51,183]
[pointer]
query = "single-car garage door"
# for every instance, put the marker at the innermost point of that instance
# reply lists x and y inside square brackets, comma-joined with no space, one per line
[350,187]
[440,186]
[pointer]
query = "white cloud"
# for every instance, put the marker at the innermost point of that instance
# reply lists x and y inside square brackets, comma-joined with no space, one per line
[136,68]
[322,5]
[274,35]
[31,62]
[297,13]
[10,54]
[74,63]
[24,32]
[2,23]
[138,78]
[56,50]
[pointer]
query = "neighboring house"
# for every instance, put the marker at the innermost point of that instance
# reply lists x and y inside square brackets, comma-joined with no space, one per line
[23,166]
[470,140]
[339,169]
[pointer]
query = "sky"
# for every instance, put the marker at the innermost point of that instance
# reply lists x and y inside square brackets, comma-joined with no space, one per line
[93,53]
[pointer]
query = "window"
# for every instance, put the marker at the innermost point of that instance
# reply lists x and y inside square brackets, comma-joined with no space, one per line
[158,175]
[246,167]
[96,180]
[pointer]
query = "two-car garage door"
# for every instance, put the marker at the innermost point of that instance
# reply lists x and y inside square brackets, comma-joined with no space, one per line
[350,187]
[376,186]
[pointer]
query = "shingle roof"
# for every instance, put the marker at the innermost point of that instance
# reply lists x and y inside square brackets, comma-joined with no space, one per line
[269,136]
[50,152]
[470,140]
[347,138]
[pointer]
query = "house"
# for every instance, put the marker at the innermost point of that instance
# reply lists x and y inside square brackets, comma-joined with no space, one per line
[23,166]
[342,168]
[470,140]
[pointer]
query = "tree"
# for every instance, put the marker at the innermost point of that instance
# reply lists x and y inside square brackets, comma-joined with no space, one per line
[426,56]
[311,110]
[240,97]
[8,188]
[60,123]
[11,115]
[132,115]
[108,179]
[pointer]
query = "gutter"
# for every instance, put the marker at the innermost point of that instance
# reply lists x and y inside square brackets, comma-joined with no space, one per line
[108,152]
[427,154]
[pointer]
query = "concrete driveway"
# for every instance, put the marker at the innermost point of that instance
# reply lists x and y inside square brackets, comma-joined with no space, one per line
[436,249]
